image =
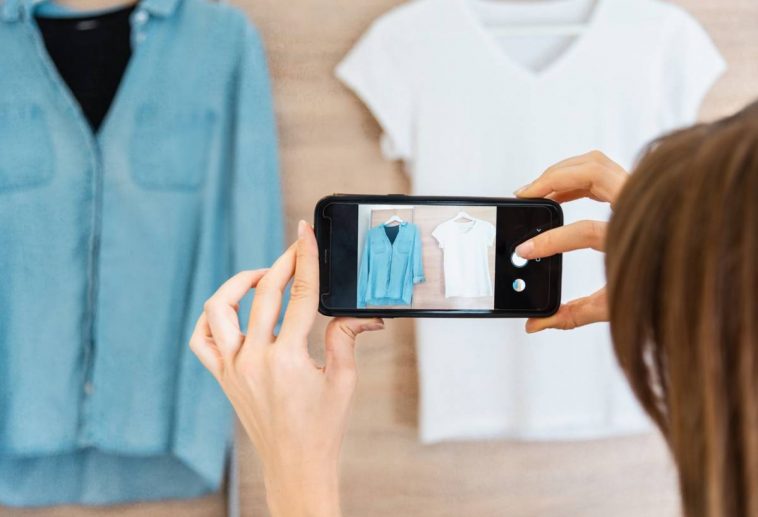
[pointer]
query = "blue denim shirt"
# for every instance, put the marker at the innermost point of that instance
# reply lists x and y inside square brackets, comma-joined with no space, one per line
[388,270]
[110,243]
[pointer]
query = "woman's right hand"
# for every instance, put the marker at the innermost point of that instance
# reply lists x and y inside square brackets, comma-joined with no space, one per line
[592,175]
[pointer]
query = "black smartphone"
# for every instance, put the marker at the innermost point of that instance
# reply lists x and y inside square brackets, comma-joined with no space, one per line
[431,256]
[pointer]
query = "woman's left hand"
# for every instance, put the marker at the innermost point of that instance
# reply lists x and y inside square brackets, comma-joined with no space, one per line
[294,410]
[593,176]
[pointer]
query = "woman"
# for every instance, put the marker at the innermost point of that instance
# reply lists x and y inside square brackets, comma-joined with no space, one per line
[682,300]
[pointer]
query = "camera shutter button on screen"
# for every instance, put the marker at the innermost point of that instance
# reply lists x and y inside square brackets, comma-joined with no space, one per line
[517,260]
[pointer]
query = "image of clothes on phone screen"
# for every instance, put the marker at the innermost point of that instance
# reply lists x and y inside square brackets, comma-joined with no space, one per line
[439,257]
[391,264]
[465,241]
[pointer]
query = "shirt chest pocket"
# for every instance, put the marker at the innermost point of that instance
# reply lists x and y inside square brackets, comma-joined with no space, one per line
[26,148]
[170,147]
[378,247]
[403,246]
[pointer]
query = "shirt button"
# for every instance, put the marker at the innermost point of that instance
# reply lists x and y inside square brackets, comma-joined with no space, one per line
[88,388]
[140,17]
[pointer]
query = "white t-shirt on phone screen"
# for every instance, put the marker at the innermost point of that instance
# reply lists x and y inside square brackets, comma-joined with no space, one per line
[465,257]
[473,111]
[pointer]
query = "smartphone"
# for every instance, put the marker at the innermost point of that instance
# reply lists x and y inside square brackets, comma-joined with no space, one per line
[431,256]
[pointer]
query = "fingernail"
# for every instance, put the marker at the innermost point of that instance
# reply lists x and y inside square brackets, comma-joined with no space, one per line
[374,326]
[520,190]
[300,229]
[525,249]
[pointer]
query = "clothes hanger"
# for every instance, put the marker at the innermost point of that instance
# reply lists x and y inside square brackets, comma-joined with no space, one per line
[394,219]
[503,29]
[462,215]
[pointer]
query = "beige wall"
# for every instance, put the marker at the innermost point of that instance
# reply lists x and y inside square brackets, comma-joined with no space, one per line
[329,144]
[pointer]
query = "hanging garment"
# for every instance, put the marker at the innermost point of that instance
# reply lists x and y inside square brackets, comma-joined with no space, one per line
[389,266]
[111,242]
[472,113]
[465,257]
[90,53]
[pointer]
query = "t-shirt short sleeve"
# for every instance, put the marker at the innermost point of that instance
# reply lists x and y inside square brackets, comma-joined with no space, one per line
[489,234]
[439,234]
[373,70]
[692,65]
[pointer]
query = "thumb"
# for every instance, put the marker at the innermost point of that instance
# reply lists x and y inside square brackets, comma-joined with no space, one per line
[340,341]
[576,313]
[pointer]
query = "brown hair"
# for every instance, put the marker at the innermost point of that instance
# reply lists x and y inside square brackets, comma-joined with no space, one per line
[682,264]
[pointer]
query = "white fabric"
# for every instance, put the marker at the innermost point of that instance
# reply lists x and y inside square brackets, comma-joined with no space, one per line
[465,258]
[475,114]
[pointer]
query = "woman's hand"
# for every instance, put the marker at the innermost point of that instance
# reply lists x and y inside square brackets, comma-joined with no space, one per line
[592,175]
[293,410]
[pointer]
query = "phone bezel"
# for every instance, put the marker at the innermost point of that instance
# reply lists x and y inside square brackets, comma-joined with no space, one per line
[322,229]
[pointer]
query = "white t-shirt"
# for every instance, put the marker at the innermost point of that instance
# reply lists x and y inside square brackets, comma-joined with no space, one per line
[475,114]
[465,258]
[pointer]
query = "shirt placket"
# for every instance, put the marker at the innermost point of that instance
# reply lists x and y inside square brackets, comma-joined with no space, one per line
[86,431]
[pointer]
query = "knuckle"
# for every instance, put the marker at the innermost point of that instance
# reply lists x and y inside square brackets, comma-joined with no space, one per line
[595,232]
[599,170]
[301,288]
[544,242]
[209,305]
[586,231]
[572,316]
[246,366]
[347,330]
[282,364]
[264,286]
[598,229]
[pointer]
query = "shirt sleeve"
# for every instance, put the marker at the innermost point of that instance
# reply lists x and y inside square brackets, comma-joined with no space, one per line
[692,65]
[372,69]
[363,273]
[489,234]
[418,261]
[256,212]
[439,235]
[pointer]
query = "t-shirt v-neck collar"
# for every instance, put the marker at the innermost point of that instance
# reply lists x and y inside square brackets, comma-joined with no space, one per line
[503,58]
[464,228]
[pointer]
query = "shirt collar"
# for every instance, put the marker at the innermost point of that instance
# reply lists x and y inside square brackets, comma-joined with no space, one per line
[162,8]
[14,10]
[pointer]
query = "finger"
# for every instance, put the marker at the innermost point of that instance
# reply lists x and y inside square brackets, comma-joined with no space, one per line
[579,235]
[574,160]
[303,305]
[576,313]
[202,345]
[571,195]
[267,301]
[221,310]
[563,179]
[593,173]
[340,342]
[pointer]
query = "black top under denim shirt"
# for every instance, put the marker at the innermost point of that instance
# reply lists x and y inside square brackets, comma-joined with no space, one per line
[91,54]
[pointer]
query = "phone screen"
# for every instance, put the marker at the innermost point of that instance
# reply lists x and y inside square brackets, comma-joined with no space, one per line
[416,255]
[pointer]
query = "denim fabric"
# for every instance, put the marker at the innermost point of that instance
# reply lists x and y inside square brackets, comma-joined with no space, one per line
[110,243]
[389,270]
